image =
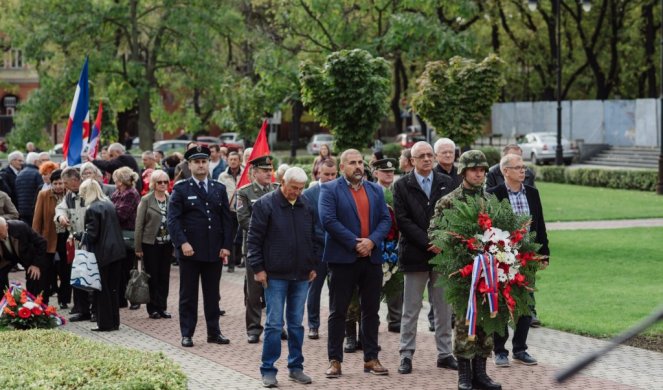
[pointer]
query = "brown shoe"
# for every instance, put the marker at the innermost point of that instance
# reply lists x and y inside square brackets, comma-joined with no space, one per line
[375,368]
[334,370]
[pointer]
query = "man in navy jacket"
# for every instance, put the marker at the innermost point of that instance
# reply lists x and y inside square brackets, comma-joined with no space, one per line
[354,215]
[200,229]
[283,256]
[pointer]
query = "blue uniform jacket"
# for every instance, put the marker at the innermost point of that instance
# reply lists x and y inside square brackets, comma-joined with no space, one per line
[200,218]
[339,218]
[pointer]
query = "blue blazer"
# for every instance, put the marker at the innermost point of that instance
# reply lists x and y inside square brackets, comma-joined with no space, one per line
[340,219]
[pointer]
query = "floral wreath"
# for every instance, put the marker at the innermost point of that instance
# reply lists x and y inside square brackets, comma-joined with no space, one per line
[19,309]
[490,259]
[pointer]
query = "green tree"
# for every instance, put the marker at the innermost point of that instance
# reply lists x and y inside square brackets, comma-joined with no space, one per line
[456,96]
[348,94]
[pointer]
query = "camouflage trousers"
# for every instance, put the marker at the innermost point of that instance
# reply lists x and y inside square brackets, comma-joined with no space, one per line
[481,346]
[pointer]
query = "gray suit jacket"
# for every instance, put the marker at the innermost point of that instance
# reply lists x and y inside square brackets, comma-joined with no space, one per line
[148,220]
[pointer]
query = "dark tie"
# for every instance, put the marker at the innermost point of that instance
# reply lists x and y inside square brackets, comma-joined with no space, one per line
[202,186]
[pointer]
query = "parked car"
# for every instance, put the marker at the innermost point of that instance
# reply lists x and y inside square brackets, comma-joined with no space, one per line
[541,148]
[170,145]
[313,147]
[406,140]
[232,141]
[206,140]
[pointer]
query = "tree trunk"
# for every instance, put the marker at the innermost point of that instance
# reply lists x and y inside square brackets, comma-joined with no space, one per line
[396,99]
[648,77]
[297,112]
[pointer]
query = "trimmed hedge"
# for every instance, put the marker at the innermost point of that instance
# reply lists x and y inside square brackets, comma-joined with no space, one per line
[392,150]
[299,160]
[55,359]
[493,155]
[643,180]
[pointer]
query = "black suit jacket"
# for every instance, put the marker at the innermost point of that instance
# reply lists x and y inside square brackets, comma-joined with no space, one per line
[535,210]
[414,211]
[29,247]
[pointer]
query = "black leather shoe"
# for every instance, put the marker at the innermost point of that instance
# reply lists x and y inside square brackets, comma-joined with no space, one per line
[231,269]
[406,366]
[187,342]
[104,329]
[447,362]
[394,328]
[218,339]
[431,327]
[63,306]
[79,317]
[222,312]
[165,314]
[155,316]
[134,307]
[350,345]
[253,339]
[313,334]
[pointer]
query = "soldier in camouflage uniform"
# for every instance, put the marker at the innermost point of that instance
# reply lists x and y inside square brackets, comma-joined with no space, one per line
[471,355]
[247,196]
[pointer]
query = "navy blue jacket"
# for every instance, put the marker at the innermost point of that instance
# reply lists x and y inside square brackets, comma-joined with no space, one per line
[312,194]
[28,182]
[340,219]
[200,218]
[280,237]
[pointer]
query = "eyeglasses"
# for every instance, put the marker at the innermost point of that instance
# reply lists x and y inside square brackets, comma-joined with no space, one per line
[162,182]
[518,168]
[423,156]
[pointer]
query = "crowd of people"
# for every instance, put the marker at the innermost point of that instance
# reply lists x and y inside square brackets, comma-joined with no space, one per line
[291,236]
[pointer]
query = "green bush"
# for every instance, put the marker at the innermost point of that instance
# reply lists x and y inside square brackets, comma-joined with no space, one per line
[492,154]
[299,160]
[643,180]
[392,150]
[55,359]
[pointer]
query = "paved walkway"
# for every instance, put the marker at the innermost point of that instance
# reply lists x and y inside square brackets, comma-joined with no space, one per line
[609,224]
[235,366]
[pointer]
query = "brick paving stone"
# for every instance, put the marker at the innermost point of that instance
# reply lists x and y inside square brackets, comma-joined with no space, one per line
[236,366]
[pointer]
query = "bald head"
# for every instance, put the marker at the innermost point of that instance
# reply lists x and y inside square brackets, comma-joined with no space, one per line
[423,158]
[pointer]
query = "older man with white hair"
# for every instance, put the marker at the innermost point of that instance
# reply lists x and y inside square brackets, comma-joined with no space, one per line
[8,174]
[445,154]
[28,182]
[118,159]
[283,257]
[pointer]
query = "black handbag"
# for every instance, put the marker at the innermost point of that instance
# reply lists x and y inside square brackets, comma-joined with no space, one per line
[138,289]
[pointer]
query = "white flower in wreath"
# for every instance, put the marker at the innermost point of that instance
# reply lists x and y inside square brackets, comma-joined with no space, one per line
[29,305]
[507,246]
[510,258]
[495,235]
[501,276]
[385,267]
[501,257]
[513,271]
[493,248]
[386,277]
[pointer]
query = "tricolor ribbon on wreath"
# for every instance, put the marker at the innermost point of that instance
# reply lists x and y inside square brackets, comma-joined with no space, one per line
[483,263]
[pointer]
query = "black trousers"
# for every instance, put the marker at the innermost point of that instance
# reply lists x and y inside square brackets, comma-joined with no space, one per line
[4,277]
[236,253]
[343,280]
[108,305]
[63,270]
[209,274]
[519,337]
[156,260]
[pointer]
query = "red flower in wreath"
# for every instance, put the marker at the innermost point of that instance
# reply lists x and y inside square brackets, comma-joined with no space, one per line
[24,296]
[24,312]
[472,244]
[9,312]
[37,311]
[50,311]
[484,221]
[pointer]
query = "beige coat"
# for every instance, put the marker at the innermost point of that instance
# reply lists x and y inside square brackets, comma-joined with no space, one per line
[148,220]
[7,208]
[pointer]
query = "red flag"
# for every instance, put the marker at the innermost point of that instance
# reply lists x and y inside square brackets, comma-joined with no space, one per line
[260,148]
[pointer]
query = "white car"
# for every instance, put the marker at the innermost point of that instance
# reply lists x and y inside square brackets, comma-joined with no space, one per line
[317,141]
[171,145]
[541,148]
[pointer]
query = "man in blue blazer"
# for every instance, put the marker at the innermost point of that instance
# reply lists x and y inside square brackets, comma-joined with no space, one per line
[354,215]
[200,229]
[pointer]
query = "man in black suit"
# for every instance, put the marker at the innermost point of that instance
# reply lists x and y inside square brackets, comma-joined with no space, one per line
[495,176]
[20,244]
[8,174]
[200,229]
[524,199]
[119,158]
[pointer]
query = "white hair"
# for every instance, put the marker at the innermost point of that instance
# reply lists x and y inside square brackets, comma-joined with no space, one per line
[281,170]
[15,155]
[295,174]
[116,147]
[506,160]
[443,141]
[44,155]
[89,166]
[32,158]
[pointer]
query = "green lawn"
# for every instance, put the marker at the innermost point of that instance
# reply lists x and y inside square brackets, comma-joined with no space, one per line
[601,282]
[566,202]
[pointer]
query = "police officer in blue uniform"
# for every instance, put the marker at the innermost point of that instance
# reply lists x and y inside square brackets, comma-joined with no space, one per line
[200,228]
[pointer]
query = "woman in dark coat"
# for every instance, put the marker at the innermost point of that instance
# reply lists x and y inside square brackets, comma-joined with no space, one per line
[103,237]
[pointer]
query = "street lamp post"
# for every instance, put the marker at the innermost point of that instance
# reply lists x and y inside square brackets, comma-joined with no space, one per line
[556,6]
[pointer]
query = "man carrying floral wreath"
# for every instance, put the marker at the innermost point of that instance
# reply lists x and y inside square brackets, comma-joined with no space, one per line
[471,353]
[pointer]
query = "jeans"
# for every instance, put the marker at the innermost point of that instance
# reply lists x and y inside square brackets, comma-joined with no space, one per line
[519,337]
[291,295]
[314,292]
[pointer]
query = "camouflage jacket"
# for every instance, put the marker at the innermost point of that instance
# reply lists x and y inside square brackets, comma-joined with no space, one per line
[445,203]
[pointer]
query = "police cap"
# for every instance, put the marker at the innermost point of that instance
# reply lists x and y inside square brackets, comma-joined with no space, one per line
[196,153]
